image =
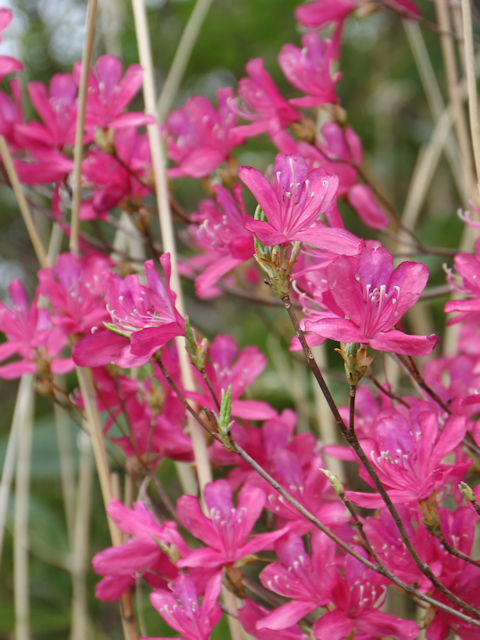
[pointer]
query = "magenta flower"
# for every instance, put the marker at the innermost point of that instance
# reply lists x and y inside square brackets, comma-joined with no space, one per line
[468,267]
[321,12]
[11,115]
[293,204]
[227,531]
[407,454]
[366,298]
[251,613]
[262,104]
[308,69]
[357,598]
[74,287]
[222,373]
[109,94]
[199,138]
[308,581]
[222,235]
[7,63]
[144,319]
[30,335]
[141,556]
[181,610]
[58,110]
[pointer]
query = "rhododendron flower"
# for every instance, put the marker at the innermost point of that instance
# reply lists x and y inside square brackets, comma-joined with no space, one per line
[7,63]
[293,204]
[57,108]
[308,69]
[357,598]
[261,103]
[251,613]
[407,454]
[223,237]
[199,138]
[144,319]
[227,529]
[30,335]
[181,610]
[108,94]
[222,373]
[468,267]
[74,287]
[365,299]
[11,114]
[142,556]
[308,581]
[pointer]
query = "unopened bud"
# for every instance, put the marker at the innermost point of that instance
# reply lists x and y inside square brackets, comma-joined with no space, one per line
[355,360]
[466,491]
[337,486]
[197,351]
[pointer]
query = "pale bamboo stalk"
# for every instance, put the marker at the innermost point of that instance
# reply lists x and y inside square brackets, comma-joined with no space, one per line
[471,88]
[67,463]
[327,430]
[459,120]
[87,389]
[182,56]
[23,394]
[22,203]
[20,522]
[166,226]
[82,104]
[80,552]
[112,15]
[434,97]
[427,161]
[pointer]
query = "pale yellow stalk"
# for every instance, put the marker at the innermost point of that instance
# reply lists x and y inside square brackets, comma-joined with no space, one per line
[20,521]
[181,58]
[166,225]
[81,108]
[22,203]
[471,88]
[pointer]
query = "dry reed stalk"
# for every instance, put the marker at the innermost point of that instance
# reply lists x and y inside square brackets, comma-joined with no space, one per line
[80,551]
[454,93]
[181,58]
[166,226]
[471,89]
[78,147]
[20,521]
[22,203]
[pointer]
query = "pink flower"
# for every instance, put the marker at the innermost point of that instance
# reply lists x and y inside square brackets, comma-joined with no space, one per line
[222,373]
[365,299]
[357,598]
[227,531]
[58,110]
[31,335]
[7,63]
[181,610]
[141,556]
[75,289]
[221,233]
[251,613]
[144,319]
[308,69]
[320,12]
[199,138]
[407,453]
[468,267]
[109,94]
[293,204]
[307,580]
[262,103]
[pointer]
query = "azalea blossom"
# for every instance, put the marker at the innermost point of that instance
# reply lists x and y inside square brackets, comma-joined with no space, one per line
[292,204]
[181,610]
[141,556]
[199,138]
[364,300]
[109,94]
[144,319]
[226,531]
[309,69]
[31,336]
[7,63]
